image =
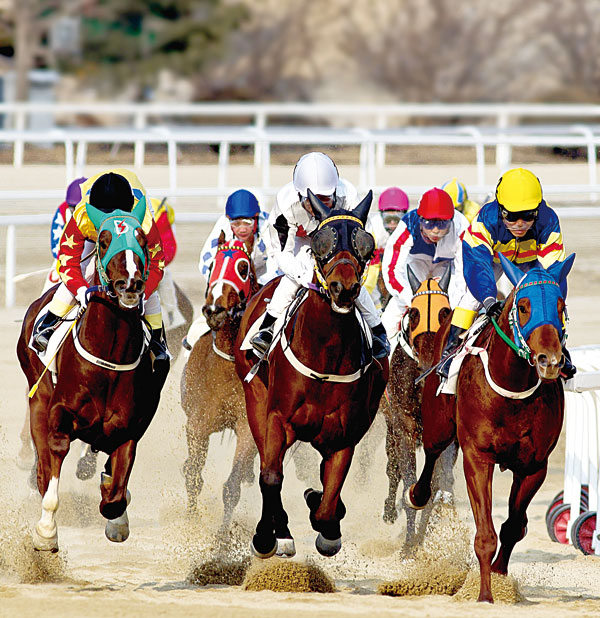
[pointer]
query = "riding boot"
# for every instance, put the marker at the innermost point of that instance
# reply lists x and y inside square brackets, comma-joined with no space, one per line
[569,370]
[451,345]
[381,344]
[43,331]
[264,337]
[158,347]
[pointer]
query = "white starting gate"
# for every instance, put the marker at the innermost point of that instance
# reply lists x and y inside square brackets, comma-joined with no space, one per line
[582,410]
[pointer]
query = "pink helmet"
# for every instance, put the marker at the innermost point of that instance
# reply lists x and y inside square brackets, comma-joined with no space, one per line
[393,199]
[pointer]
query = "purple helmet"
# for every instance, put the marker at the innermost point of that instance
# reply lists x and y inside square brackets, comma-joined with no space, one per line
[74,192]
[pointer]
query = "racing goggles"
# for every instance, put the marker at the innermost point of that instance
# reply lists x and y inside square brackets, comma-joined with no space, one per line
[432,224]
[241,222]
[391,219]
[524,215]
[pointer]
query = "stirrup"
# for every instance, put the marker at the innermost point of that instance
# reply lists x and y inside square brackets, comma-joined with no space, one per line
[443,368]
[263,339]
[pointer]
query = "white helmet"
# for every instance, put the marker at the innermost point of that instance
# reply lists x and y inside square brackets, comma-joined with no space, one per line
[317,172]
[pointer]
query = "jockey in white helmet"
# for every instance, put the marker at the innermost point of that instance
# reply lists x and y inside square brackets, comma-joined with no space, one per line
[291,223]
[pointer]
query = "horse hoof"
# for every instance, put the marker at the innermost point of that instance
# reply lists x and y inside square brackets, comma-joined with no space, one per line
[409,502]
[260,554]
[326,547]
[286,548]
[44,543]
[117,530]
[390,513]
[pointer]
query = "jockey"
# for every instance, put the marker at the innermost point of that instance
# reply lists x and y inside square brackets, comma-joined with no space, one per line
[291,223]
[164,217]
[458,192]
[519,224]
[393,203]
[428,240]
[105,191]
[245,221]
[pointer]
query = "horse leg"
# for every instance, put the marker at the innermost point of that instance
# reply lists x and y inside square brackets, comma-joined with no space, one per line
[243,462]
[327,509]
[115,496]
[478,474]
[515,527]
[86,464]
[25,456]
[408,473]
[392,469]
[192,469]
[272,532]
[45,533]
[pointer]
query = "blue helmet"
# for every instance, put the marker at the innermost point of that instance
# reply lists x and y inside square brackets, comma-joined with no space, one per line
[241,203]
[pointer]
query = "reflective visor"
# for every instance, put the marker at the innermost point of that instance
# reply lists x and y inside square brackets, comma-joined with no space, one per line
[524,215]
[241,222]
[432,224]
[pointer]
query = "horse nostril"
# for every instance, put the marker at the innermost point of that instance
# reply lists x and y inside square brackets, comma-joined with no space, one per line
[542,360]
[120,285]
[355,290]
[139,286]
[335,287]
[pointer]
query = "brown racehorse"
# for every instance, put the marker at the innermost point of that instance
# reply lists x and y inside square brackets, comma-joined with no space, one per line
[106,393]
[329,396]
[211,392]
[507,410]
[413,355]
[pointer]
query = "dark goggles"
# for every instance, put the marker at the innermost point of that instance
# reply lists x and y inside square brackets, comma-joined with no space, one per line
[325,241]
[432,224]
[389,218]
[523,215]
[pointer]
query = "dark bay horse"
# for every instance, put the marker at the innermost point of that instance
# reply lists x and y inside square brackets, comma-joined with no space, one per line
[414,354]
[106,393]
[319,384]
[211,392]
[507,410]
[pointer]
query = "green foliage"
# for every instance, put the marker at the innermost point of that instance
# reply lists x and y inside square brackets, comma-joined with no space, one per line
[130,40]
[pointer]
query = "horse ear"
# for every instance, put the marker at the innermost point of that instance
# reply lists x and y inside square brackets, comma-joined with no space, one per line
[95,215]
[513,273]
[560,270]
[319,209]
[415,284]
[139,210]
[445,279]
[221,239]
[362,210]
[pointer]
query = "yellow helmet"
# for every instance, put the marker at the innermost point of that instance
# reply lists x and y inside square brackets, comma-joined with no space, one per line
[457,191]
[519,190]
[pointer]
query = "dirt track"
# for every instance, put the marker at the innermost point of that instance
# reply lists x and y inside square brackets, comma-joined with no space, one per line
[149,573]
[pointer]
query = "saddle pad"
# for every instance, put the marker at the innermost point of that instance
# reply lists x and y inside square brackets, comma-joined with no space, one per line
[48,357]
[449,387]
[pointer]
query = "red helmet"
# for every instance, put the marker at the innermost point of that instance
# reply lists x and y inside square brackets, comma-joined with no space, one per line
[393,199]
[436,204]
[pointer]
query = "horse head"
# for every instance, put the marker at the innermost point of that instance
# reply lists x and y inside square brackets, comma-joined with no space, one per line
[536,314]
[429,308]
[232,281]
[342,249]
[122,261]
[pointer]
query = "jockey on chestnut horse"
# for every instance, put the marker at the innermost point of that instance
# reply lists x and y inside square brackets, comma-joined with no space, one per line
[321,384]
[98,383]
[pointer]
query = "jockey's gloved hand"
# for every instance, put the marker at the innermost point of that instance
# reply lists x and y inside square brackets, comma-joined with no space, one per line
[81,297]
[493,307]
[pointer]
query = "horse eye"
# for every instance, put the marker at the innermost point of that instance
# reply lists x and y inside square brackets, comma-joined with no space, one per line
[522,309]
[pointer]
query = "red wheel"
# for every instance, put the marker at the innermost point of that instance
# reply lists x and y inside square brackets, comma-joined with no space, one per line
[556,501]
[559,520]
[582,532]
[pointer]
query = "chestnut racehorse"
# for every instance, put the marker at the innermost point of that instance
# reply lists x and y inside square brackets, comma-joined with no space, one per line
[508,408]
[106,392]
[211,392]
[413,355]
[320,384]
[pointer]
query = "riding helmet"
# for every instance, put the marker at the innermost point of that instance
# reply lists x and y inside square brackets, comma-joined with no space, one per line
[435,204]
[393,199]
[519,190]
[111,191]
[240,204]
[317,172]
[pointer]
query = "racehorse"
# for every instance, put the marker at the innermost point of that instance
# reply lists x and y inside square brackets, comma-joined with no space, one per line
[106,392]
[175,335]
[211,393]
[508,408]
[320,384]
[413,355]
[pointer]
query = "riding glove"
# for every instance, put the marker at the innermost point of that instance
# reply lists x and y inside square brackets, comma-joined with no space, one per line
[81,297]
[493,307]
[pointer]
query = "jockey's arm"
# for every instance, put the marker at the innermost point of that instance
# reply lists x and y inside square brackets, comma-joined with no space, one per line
[264,253]
[478,261]
[167,237]
[282,237]
[69,257]
[155,253]
[550,248]
[394,261]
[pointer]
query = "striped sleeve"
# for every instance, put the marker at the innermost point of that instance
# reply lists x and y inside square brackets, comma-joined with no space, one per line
[394,258]
[478,261]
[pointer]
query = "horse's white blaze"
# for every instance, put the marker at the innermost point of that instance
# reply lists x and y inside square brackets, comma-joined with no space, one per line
[131,267]
[217,291]
[47,526]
